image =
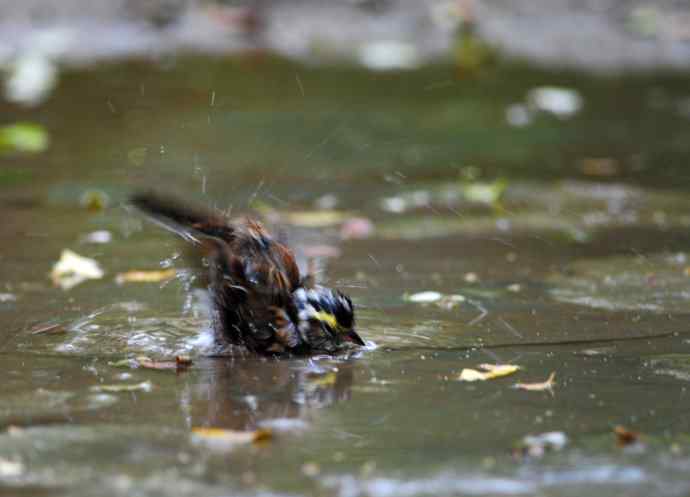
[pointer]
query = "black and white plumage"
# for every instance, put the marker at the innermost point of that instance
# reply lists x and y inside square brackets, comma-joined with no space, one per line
[259,299]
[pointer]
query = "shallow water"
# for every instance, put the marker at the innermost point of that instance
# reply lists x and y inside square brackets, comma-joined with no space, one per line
[564,272]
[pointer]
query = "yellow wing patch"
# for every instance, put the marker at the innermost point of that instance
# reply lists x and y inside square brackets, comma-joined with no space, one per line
[327,318]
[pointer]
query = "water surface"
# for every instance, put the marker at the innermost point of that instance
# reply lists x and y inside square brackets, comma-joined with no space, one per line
[573,269]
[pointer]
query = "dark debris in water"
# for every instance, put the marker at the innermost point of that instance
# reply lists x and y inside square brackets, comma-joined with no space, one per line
[625,437]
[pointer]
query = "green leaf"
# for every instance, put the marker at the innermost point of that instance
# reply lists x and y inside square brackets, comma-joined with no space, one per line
[23,137]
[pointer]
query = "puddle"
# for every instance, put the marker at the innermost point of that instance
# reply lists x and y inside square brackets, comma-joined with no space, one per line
[649,283]
[515,247]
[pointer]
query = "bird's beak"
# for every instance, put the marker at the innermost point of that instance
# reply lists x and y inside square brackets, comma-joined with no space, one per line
[353,337]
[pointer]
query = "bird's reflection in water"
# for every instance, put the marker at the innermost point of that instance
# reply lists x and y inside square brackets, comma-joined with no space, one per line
[245,393]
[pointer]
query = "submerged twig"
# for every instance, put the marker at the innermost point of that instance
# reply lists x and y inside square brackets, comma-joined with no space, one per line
[510,345]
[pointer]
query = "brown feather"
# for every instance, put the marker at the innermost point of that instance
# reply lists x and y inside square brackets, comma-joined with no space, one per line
[249,272]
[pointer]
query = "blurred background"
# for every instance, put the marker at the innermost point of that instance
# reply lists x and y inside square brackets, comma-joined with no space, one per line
[186,87]
[492,181]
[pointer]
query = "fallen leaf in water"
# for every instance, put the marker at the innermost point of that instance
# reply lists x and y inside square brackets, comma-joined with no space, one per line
[489,372]
[450,301]
[183,360]
[7,297]
[437,298]
[396,205]
[356,228]
[179,364]
[471,375]
[10,469]
[285,425]
[154,276]
[625,437]
[100,236]
[94,200]
[322,250]
[514,287]
[311,469]
[485,193]
[220,438]
[328,379]
[137,156]
[537,445]
[23,137]
[47,328]
[15,431]
[540,386]
[124,363]
[327,201]
[31,77]
[388,55]
[423,297]
[73,269]
[600,166]
[676,365]
[316,219]
[561,102]
[596,351]
[144,386]
[518,115]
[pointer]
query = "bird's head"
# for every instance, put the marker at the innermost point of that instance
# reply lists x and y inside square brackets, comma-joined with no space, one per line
[332,311]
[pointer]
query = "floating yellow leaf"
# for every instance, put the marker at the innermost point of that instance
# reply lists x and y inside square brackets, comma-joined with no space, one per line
[73,269]
[145,276]
[471,375]
[23,137]
[489,372]
[221,438]
[324,380]
[485,193]
[540,386]
[317,219]
[94,200]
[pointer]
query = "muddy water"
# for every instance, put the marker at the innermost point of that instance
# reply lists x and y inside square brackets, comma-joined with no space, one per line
[562,267]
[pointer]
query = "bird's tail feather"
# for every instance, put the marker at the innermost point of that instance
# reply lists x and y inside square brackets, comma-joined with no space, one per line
[191,223]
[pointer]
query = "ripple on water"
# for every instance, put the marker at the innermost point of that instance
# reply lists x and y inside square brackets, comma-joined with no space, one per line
[607,478]
[111,333]
[656,283]
[150,462]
